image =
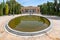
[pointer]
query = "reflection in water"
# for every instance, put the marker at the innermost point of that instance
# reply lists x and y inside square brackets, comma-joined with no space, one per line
[29,23]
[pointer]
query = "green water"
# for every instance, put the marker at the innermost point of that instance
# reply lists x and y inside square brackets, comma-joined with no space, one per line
[29,23]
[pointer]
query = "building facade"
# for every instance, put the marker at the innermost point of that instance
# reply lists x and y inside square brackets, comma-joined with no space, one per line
[30,9]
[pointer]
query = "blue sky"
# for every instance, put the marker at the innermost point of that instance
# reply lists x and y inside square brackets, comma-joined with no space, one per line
[31,2]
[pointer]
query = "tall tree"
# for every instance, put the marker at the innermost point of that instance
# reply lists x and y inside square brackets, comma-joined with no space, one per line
[14,7]
[6,9]
[59,3]
[1,9]
[48,9]
[56,5]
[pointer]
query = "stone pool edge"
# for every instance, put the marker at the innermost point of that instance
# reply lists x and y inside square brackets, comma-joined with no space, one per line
[8,29]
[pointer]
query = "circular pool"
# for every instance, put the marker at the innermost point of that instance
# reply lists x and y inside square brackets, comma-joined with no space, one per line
[28,25]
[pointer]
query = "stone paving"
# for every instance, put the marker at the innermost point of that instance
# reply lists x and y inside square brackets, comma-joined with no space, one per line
[54,34]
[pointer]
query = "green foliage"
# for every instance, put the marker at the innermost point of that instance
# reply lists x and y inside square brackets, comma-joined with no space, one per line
[14,7]
[10,7]
[44,7]
[1,9]
[6,9]
[50,8]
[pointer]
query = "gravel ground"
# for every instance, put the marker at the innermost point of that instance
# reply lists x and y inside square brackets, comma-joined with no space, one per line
[54,34]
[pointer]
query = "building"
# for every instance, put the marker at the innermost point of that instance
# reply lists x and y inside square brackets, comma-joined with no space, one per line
[30,9]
